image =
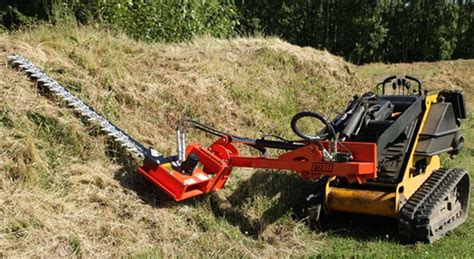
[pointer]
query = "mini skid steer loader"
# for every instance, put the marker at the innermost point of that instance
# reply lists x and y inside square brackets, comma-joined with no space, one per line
[379,157]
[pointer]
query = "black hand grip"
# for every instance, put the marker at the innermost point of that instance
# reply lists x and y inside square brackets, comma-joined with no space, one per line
[420,88]
[386,80]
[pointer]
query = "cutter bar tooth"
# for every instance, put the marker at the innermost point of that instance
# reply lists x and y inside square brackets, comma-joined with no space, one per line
[130,144]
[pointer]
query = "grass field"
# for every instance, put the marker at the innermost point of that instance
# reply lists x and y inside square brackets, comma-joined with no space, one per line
[65,191]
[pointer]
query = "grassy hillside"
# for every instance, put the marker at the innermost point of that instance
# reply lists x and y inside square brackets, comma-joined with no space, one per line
[64,190]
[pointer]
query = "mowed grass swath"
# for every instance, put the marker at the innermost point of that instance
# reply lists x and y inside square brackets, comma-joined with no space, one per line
[65,191]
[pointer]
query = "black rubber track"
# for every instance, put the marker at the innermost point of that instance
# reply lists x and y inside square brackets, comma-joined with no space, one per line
[416,215]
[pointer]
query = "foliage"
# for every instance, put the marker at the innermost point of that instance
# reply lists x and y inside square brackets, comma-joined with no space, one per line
[421,30]
[366,31]
[173,20]
[360,30]
[158,20]
[14,13]
[465,46]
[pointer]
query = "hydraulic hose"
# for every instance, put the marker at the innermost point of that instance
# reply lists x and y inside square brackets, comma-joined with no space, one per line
[300,133]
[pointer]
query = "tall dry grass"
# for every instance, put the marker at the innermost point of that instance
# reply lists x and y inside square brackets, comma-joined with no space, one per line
[64,191]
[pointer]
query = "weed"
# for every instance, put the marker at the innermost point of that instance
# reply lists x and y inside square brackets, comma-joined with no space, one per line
[75,244]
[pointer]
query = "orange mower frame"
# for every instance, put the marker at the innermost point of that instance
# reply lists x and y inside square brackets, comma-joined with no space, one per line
[218,160]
